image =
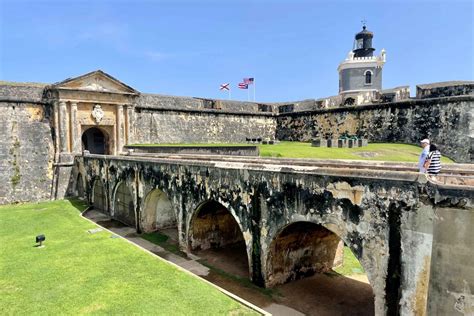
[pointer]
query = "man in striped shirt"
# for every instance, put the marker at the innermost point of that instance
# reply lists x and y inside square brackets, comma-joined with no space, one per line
[433,161]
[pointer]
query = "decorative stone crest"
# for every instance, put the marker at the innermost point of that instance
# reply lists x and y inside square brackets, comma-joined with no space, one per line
[97,113]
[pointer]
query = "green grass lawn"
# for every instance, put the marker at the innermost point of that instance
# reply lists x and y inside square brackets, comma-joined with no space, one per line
[374,151]
[351,265]
[82,273]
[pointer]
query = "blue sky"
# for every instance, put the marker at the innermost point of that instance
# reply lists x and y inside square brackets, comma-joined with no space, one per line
[188,48]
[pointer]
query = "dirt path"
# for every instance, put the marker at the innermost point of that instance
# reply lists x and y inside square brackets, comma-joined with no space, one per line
[321,294]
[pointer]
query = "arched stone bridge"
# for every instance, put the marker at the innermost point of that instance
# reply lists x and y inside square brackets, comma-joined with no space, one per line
[291,214]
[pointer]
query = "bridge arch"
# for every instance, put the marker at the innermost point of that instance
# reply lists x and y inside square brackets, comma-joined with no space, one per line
[157,212]
[303,248]
[307,233]
[214,226]
[123,205]
[99,195]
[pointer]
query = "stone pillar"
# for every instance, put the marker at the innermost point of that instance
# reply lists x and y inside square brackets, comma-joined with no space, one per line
[56,129]
[75,137]
[63,126]
[129,123]
[120,129]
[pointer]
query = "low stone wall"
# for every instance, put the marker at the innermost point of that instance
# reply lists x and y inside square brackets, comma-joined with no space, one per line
[26,152]
[448,122]
[200,150]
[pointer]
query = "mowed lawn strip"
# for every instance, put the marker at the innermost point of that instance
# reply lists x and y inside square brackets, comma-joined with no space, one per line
[81,273]
[375,151]
[284,149]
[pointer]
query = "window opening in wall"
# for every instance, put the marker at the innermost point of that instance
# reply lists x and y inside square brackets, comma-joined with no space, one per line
[368,77]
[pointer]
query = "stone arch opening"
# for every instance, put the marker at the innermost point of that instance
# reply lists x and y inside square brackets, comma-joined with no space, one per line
[158,212]
[368,77]
[99,196]
[349,101]
[96,141]
[301,264]
[124,207]
[215,236]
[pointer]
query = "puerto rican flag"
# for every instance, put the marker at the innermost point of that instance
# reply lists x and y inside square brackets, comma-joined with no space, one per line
[248,80]
[224,86]
[243,85]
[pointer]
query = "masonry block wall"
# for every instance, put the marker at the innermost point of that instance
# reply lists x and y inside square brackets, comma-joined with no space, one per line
[200,127]
[165,119]
[447,121]
[26,152]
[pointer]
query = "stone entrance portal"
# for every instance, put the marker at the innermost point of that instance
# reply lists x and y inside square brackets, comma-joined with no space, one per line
[95,141]
[92,112]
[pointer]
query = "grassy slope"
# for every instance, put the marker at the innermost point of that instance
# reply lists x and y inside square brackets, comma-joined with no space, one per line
[351,265]
[81,273]
[381,151]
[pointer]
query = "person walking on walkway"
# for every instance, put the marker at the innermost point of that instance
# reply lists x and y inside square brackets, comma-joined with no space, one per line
[425,144]
[433,161]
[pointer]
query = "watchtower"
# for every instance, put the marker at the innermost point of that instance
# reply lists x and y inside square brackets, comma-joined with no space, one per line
[361,70]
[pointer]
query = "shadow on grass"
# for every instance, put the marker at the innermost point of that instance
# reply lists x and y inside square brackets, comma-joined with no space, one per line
[163,241]
[240,280]
[78,204]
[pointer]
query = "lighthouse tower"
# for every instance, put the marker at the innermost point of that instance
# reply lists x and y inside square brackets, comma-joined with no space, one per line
[361,71]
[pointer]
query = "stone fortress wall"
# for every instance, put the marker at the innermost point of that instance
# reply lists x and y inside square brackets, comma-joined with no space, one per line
[26,145]
[167,119]
[444,112]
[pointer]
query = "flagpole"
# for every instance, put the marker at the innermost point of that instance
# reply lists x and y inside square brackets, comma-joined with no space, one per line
[248,93]
[254,84]
[230,98]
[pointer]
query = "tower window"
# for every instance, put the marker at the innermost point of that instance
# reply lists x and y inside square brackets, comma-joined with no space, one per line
[368,77]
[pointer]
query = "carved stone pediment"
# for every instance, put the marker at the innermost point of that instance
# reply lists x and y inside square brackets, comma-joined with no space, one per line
[97,81]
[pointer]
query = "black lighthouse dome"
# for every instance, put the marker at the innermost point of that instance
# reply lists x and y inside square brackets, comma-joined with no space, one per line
[363,43]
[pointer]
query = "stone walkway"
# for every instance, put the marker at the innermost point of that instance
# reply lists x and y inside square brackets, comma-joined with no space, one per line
[129,233]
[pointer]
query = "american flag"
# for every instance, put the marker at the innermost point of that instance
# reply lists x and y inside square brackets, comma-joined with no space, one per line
[243,85]
[248,80]
[224,86]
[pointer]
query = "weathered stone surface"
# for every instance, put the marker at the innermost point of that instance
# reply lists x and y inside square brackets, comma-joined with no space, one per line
[245,150]
[386,223]
[447,122]
[200,127]
[26,152]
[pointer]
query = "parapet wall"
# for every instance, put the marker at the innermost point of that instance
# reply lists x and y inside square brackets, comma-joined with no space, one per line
[158,101]
[158,126]
[31,92]
[448,122]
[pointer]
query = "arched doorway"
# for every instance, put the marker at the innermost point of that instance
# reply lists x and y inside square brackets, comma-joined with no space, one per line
[99,198]
[158,212]
[305,265]
[95,141]
[124,208]
[215,236]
